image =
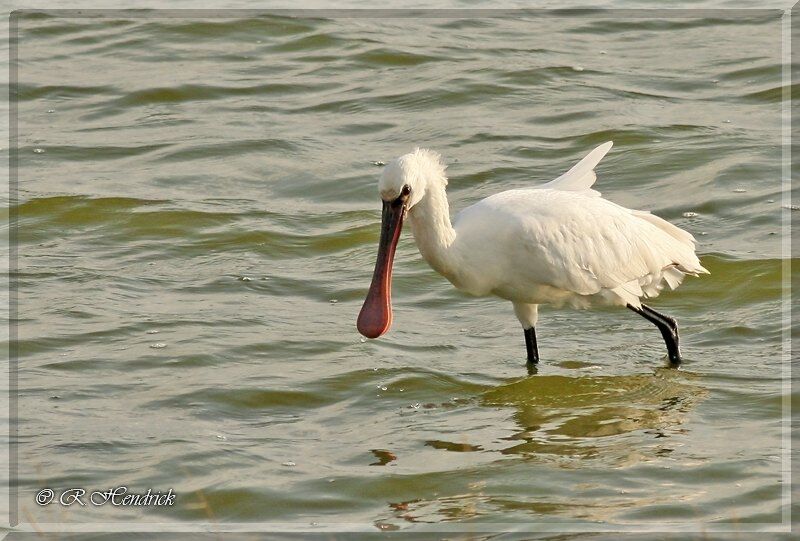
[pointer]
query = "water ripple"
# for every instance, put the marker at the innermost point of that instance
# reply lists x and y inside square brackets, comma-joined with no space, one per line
[198,216]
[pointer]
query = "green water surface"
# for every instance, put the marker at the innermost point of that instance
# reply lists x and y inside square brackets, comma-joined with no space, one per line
[198,219]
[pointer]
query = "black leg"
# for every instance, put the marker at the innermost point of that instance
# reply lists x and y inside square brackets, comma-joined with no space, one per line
[668,328]
[668,320]
[530,345]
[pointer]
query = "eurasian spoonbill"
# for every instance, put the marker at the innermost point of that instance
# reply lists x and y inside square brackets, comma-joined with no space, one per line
[557,243]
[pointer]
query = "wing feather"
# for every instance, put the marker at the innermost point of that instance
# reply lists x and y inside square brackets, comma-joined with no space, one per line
[565,236]
[588,245]
[581,176]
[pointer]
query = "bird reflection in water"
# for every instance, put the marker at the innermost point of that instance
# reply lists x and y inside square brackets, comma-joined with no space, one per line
[567,419]
[571,423]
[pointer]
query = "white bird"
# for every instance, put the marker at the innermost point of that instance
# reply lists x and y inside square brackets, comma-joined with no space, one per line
[559,243]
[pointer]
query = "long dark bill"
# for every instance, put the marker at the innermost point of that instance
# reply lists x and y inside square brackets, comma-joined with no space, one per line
[376,314]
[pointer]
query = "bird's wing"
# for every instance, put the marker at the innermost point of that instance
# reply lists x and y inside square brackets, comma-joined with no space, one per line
[587,244]
[581,177]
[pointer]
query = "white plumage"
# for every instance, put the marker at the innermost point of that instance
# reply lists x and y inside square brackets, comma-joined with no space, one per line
[556,243]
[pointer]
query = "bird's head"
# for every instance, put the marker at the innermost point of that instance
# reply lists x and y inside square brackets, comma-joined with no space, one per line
[403,184]
[410,176]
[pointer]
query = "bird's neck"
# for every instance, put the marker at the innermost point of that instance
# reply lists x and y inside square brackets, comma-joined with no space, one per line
[433,232]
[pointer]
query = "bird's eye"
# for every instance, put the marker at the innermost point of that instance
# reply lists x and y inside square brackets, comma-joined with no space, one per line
[406,190]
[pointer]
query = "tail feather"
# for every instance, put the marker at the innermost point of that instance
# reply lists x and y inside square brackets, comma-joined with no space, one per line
[674,231]
[673,277]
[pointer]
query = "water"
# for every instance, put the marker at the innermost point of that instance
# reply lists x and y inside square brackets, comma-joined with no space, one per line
[198,222]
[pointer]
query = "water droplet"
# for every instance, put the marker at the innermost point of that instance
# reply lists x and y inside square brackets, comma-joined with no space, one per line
[363,340]
[715,81]
[158,345]
[417,405]
[770,200]
[289,463]
[727,121]
[739,190]
[51,110]
[152,331]
[38,150]
[383,388]
[702,233]
[689,214]
[462,330]
[577,68]
[401,390]
[374,369]
[245,278]
[603,52]
[656,140]
[334,301]
[221,437]
[378,163]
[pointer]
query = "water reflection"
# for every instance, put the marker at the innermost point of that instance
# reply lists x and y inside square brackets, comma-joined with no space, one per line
[570,419]
[569,423]
[384,457]
[444,509]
